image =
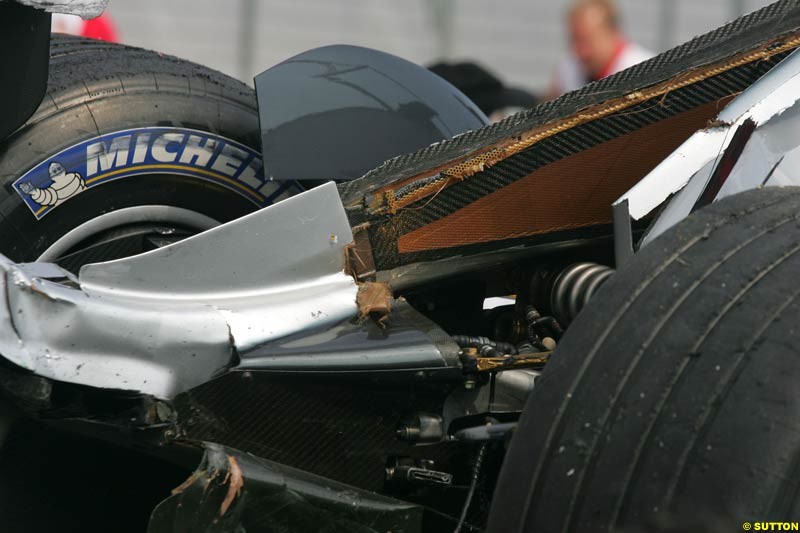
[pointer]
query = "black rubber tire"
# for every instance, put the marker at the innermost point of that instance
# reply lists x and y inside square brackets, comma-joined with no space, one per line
[95,88]
[674,396]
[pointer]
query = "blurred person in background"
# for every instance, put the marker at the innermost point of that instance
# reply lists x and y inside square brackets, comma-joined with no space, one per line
[598,48]
[101,28]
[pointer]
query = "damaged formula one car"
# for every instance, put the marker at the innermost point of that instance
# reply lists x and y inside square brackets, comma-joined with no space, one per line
[196,340]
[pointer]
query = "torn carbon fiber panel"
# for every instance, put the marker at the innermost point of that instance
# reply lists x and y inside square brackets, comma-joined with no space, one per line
[551,173]
[340,425]
[233,491]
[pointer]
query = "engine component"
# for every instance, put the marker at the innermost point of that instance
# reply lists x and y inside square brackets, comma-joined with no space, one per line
[485,432]
[474,363]
[507,324]
[476,471]
[539,328]
[417,472]
[485,346]
[423,428]
[549,344]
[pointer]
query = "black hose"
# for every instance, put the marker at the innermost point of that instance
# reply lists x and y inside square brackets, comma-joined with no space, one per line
[531,315]
[483,343]
[550,323]
[535,320]
[476,471]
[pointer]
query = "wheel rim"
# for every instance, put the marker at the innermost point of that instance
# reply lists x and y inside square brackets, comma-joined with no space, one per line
[125,232]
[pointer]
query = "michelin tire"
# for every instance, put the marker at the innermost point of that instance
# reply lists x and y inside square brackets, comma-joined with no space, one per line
[106,92]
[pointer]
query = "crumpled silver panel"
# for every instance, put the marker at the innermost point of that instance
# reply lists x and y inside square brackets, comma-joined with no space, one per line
[408,340]
[87,9]
[76,336]
[773,105]
[168,320]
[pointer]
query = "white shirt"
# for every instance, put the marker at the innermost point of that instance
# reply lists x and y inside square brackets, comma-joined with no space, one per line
[570,74]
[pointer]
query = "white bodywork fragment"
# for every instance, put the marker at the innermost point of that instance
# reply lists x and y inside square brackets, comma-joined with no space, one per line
[86,9]
[686,171]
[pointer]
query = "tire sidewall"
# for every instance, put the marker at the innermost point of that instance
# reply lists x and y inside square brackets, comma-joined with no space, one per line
[70,116]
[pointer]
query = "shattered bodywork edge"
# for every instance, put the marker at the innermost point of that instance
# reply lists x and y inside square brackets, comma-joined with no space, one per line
[86,9]
[489,156]
[232,491]
[696,158]
[755,31]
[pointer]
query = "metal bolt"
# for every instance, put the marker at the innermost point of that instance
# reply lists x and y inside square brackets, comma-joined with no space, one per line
[408,433]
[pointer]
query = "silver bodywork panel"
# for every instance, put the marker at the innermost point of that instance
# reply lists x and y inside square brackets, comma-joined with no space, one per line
[168,320]
[772,104]
[86,9]
[407,340]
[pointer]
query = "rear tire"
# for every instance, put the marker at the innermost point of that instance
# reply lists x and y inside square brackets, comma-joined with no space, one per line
[97,88]
[674,396]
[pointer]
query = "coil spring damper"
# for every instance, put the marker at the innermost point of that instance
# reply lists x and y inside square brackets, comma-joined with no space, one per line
[564,293]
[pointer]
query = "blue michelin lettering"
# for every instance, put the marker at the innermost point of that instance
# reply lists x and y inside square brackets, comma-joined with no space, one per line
[142,151]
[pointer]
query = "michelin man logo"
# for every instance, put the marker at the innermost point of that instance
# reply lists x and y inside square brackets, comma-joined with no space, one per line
[63,185]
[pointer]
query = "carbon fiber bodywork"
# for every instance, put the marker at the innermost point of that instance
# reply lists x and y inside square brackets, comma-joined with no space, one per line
[433,204]
[331,101]
[277,498]
[341,425]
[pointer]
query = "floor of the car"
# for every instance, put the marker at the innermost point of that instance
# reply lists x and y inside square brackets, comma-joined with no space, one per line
[51,480]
